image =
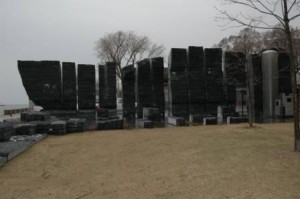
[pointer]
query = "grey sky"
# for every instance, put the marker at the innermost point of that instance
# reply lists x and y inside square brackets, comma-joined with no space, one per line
[66,30]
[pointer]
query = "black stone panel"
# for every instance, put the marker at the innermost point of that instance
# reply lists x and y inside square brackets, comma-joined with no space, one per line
[58,128]
[178,87]
[143,86]
[75,125]
[214,86]
[257,82]
[110,90]
[214,76]
[69,86]
[235,74]
[107,85]
[110,124]
[195,58]
[101,71]
[129,93]
[86,87]
[196,77]
[63,114]
[178,60]
[212,108]
[213,59]
[179,110]
[197,108]
[230,95]
[30,116]
[42,127]
[42,82]
[157,78]
[25,129]
[284,74]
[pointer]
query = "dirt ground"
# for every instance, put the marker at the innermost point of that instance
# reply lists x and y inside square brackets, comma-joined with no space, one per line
[189,162]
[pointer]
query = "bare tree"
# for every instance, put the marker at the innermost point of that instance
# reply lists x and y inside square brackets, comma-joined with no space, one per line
[283,12]
[247,41]
[226,43]
[276,39]
[126,48]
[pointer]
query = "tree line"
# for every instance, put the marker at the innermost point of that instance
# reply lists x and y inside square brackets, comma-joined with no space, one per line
[250,40]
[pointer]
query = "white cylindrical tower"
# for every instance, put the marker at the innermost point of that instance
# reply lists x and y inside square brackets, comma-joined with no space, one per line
[269,82]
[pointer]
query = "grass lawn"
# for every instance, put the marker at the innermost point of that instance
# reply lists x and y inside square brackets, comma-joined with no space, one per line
[227,161]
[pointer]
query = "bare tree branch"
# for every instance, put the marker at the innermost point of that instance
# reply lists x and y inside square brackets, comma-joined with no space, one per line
[294,17]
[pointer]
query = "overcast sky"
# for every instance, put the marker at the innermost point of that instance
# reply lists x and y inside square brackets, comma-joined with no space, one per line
[66,30]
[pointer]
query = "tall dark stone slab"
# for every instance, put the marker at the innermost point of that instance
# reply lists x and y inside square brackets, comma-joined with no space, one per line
[213,59]
[101,71]
[284,74]
[42,82]
[235,75]
[86,87]
[110,94]
[178,88]
[69,86]
[143,86]
[107,86]
[157,78]
[257,83]
[129,93]
[214,79]
[196,80]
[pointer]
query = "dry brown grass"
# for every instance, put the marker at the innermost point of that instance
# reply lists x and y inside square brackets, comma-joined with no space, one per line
[190,162]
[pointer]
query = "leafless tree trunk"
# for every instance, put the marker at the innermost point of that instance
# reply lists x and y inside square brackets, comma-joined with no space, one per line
[294,69]
[281,11]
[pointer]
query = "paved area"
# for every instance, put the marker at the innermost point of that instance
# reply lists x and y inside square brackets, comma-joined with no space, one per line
[9,150]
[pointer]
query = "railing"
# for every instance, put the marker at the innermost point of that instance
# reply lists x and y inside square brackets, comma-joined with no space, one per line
[14,111]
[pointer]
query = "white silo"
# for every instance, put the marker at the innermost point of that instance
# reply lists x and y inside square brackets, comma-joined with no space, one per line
[270,82]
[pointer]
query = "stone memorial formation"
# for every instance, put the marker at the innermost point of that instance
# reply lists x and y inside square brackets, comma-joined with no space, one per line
[143,90]
[204,87]
[203,84]
[201,80]
[63,94]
